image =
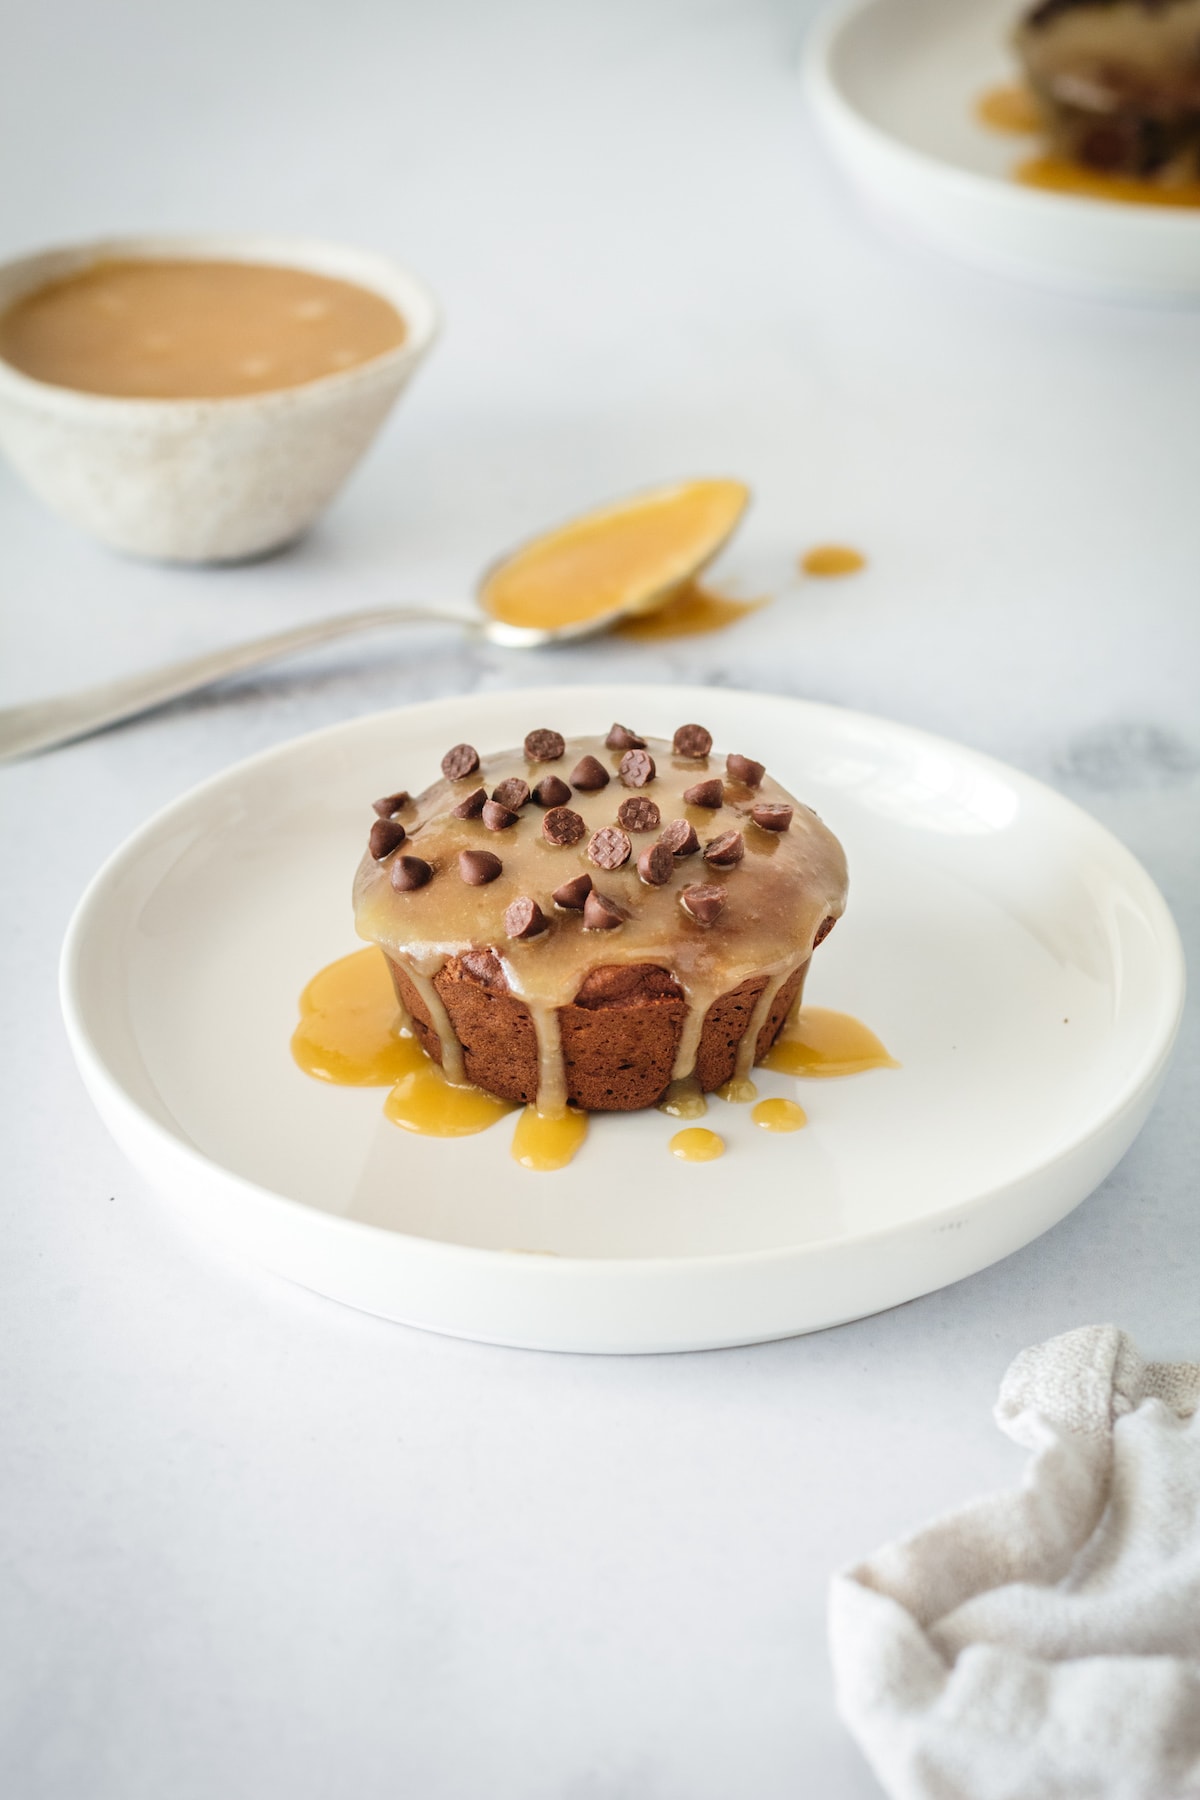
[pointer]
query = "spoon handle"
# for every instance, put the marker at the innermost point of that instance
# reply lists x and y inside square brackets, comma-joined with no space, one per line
[44,724]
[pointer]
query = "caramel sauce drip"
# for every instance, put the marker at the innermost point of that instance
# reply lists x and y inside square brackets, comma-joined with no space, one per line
[631,554]
[697,1145]
[191,330]
[690,612]
[351,1031]
[819,1042]
[738,1091]
[1010,108]
[426,1103]
[779,1115]
[548,1140]
[684,1100]
[826,560]
[1057,175]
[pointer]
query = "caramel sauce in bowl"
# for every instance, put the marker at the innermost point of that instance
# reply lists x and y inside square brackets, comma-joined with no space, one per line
[216,467]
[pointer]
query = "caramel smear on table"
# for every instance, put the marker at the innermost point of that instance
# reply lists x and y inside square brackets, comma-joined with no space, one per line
[779,1115]
[691,612]
[179,330]
[1059,176]
[819,1042]
[697,1145]
[548,1140]
[1010,108]
[832,559]
[631,554]
[351,1029]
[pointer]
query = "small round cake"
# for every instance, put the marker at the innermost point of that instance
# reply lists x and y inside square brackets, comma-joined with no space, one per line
[587,920]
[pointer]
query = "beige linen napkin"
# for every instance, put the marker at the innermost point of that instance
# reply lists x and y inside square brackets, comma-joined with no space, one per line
[1044,1644]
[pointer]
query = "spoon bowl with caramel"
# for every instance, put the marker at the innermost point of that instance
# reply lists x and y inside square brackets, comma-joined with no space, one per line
[201,399]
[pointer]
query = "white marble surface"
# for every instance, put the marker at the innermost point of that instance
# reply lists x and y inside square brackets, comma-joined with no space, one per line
[252,1543]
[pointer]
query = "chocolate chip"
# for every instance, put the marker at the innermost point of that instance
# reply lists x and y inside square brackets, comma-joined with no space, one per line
[703,902]
[498,817]
[391,803]
[601,913]
[692,741]
[639,814]
[409,872]
[656,865]
[823,931]
[621,738]
[772,818]
[724,851]
[544,746]
[562,826]
[608,848]
[588,774]
[637,768]
[512,793]
[680,838]
[572,894]
[478,867]
[386,835]
[524,918]
[550,791]
[471,807]
[462,760]
[743,769]
[705,793]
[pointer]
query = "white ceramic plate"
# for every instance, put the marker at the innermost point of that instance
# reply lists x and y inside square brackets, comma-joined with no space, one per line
[894,82]
[1013,955]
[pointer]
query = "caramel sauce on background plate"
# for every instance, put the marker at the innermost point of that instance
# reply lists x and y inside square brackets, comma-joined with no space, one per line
[1012,109]
[191,330]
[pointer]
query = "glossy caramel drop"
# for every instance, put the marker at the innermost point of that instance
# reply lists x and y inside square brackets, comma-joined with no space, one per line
[350,1025]
[548,1140]
[689,613]
[684,1100]
[697,1145]
[818,1042]
[426,1103]
[831,560]
[779,1115]
[1010,108]
[738,1093]
[1057,175]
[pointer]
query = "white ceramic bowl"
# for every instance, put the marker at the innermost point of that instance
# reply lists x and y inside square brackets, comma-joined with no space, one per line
[205,480]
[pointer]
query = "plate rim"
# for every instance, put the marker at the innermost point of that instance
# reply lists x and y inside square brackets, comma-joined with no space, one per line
[96,1073]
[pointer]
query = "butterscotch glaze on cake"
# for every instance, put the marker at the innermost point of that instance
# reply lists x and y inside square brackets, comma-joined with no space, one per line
[682,964]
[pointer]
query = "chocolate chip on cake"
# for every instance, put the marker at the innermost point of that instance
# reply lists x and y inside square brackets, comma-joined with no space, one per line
[637,768]
[725,850]
[588,775]
[656,865]
[386,835]
[608,848]
[771,817]
[561,826]
[693,742]
[544,746]
[703,902]
[823,931]
[471,807]
[409,872]
[513,793]
[705,793]
[497,816]
[478,867]
[391,803]
[639,814]
[572,894]
[551,791]
[524,918]
[621,738]
[680,838]
[745,770]
[600,913]
[462,760]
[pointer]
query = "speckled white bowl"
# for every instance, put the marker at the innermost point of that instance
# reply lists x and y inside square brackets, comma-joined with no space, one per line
[205,480]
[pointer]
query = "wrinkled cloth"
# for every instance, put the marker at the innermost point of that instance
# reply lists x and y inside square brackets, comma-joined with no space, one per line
[1044,1644]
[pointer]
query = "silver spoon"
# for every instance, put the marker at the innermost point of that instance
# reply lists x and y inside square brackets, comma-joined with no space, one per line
[44,724]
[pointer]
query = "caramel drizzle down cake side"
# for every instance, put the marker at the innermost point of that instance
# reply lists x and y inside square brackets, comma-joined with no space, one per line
[537,869]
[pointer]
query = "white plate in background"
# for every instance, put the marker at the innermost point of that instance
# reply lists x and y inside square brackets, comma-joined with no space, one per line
[893,84]
[1014,957]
